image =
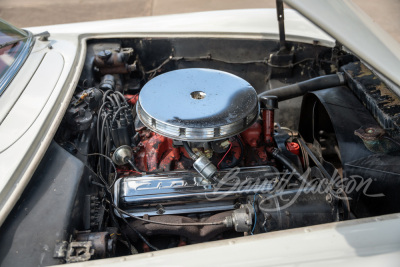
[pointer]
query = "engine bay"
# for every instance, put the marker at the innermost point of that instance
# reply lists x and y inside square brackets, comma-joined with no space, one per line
[169,142]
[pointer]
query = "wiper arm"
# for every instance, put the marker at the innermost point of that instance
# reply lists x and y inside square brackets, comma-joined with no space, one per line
[43,37]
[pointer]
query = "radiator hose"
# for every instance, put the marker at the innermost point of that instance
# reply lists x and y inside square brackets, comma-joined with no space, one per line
[299,89]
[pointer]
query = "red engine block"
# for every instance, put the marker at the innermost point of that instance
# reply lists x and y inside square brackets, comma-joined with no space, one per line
[156,153]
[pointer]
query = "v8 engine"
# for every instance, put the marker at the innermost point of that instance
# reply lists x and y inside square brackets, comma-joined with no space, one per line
[195,155]
[205,151]
[169,142]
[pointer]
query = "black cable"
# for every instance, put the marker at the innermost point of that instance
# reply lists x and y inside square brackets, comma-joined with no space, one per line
[101,150]
[114,167]
[117,112]
[116,98]
[111,203]
[108,189]
[102,134]
[99,118]
[277,154]
[122,97]
[235,161]
[327,175]
[89,168]
[160,66]
[125,221]
[109,98]
[211,58]
[139,234]
[304,154]
[189,150]
[315,160]
[291,65]
[134,166]
[108,144]
[106,94]
[241,148]
[122,232]
[102,131]
[98,121]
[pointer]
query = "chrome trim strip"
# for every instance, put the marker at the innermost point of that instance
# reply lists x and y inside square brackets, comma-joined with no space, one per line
[196,134]
[16,65]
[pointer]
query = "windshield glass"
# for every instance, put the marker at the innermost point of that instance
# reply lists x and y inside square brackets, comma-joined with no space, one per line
[10,54]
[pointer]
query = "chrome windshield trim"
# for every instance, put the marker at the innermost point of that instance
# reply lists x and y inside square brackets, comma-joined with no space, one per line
[18,62]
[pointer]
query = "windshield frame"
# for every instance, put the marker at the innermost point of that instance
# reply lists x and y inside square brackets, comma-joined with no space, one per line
[10,73]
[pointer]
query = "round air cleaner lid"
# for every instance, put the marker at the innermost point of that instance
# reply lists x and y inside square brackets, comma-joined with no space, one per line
[197,105]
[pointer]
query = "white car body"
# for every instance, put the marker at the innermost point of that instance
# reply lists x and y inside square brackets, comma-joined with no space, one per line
[48,78]
[22,142]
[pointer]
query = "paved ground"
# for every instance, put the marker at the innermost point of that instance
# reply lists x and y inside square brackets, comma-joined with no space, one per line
[24,13]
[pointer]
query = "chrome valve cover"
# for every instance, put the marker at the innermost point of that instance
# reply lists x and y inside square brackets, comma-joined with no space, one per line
[183,192]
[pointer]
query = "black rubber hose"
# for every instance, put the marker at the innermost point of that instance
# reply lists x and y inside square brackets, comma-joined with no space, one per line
[299,89]
[189,150]
[277,154]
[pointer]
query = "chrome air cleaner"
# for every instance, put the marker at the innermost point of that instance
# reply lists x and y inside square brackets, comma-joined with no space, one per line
[197,105]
